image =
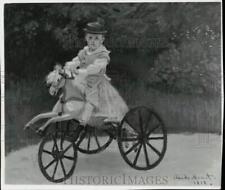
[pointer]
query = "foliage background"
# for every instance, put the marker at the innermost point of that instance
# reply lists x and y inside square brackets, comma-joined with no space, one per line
[166,55]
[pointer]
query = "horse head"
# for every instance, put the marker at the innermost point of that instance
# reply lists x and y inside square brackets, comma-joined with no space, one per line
[55,80]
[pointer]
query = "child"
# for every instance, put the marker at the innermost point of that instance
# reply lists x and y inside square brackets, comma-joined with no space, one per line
[101,97]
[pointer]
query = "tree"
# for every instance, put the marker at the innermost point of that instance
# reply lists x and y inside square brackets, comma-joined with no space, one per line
[184,38]
[192,62]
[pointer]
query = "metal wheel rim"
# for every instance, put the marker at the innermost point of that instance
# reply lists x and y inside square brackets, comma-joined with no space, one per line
[142,144]
[90,138]
[44,169]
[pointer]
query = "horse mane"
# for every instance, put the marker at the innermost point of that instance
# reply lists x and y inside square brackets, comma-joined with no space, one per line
[53,75]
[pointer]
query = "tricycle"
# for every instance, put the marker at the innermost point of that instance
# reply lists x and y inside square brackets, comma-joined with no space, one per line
[141,136]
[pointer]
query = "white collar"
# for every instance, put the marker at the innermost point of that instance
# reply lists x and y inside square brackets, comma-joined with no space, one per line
[102,48]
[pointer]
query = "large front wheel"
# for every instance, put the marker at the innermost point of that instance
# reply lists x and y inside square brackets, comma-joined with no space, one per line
[57,157]
[142,138]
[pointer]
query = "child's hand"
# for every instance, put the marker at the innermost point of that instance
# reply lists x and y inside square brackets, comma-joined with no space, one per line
[71,66]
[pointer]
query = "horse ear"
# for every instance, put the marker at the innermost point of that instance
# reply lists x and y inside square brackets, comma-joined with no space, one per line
[58,67]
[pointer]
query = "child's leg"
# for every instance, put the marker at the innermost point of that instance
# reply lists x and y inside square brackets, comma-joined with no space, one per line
[40,116]
[86,115]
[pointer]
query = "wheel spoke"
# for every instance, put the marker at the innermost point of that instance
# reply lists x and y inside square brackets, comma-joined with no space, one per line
[89,140]
[154,149]
[146,155]
[61,142]
[63,168]
[55,144]
[82,137]
[126,120]
[140,121]
[53,175]
[46,151]
[155,138]
[53,147]
[154,128]
[97,141]
[68,157]
[147,122]
[129,139]
[67,148]
[47,166]
[137,155]
[132,148]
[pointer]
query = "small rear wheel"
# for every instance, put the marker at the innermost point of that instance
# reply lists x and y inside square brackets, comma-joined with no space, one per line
[142,138]
[57,156]
[93,140]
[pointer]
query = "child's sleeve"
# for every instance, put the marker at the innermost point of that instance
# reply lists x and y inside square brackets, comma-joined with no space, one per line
[81,55]
[97,67]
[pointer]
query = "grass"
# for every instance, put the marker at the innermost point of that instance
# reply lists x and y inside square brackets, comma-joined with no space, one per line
[23,100]
[181,113]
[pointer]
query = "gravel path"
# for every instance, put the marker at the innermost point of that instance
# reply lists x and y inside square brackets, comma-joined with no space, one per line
[189,160]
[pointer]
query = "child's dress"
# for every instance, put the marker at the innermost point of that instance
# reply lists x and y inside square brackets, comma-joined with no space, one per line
[98,90]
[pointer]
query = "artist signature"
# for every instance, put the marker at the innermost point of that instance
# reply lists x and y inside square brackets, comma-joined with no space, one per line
[206,179]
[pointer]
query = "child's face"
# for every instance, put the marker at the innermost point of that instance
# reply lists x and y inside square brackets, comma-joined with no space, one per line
[94,41]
